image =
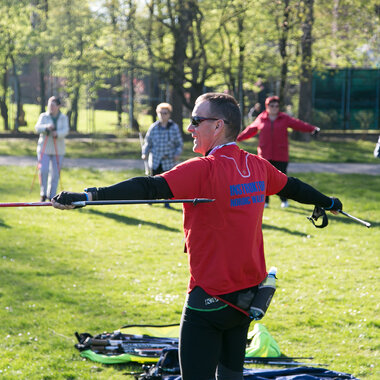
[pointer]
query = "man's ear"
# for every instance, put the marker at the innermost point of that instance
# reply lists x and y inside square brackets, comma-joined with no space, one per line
[219,127]
[219,124]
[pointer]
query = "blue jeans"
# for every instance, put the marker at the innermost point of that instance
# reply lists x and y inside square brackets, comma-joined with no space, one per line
[49,174]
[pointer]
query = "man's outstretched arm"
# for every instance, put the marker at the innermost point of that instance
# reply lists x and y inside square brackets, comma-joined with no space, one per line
[135,188]
[302,192]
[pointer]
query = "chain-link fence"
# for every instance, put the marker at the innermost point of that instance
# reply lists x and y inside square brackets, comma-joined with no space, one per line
[347,99]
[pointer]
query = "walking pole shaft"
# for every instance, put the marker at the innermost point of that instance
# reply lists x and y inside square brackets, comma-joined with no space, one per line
[368,225]
[25,204]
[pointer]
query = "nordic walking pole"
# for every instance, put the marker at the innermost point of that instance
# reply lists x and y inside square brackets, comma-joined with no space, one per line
[146,166]
[368,225]
[25,204]
[39,164]
[194,201]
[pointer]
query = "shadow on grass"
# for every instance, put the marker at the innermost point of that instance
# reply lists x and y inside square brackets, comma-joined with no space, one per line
[3,225]
[284,229]
[131,221]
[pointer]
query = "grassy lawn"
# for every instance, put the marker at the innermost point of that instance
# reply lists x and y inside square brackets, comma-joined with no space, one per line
[97,269]
[98,121]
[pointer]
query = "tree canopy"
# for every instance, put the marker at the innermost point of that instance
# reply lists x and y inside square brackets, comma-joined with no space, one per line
[183,47]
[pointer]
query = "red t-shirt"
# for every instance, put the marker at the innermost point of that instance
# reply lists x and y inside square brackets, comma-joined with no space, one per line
[224,239]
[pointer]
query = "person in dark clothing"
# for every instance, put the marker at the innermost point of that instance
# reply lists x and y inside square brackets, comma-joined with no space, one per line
[223,238]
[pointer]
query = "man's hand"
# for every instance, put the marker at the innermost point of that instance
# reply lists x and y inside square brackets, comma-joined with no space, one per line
[50,130]
[316,131]
[64,200]
[336,205]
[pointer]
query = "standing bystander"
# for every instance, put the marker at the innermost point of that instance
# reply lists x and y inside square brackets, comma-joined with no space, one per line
[273,139]
[52,126]
[163,142]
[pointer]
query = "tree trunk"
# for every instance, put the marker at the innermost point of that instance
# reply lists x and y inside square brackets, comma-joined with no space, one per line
[42,83]
[3,100]
[153,77]
[73,112]
[133,126]
[180,33]
[153,93]
[241,64]
[305,99]
[283,44]
[17,95]
[119,100]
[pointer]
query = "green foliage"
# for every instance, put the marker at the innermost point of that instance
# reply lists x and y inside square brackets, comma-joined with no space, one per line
[15,31]
[227,45]
[96,269]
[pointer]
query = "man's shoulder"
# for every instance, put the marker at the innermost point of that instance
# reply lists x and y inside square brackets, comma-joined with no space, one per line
[153,126]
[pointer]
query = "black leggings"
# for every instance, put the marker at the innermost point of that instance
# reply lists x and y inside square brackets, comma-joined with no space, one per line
[213,341]
[282,166]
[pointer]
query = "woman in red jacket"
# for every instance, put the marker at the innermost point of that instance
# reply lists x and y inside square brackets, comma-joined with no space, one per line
[273,139]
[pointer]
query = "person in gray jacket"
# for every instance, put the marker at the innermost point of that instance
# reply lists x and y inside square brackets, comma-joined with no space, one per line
[52,126]
[163,142]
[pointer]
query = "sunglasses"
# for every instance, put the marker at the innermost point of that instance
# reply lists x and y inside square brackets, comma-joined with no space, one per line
[163,113]
[196,120]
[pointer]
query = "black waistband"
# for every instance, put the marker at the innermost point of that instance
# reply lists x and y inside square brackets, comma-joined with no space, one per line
[198,299]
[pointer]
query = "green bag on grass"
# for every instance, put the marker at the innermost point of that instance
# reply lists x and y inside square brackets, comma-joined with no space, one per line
[262,343]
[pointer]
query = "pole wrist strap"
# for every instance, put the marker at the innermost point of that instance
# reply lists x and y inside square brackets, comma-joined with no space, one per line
[93,191]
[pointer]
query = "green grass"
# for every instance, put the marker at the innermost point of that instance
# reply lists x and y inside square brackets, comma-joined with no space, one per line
[99,121]
[96,269]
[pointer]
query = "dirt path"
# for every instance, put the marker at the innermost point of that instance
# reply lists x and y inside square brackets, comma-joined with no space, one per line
[125,164]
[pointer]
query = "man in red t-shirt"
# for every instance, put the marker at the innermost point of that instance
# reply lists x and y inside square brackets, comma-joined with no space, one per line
[224,238]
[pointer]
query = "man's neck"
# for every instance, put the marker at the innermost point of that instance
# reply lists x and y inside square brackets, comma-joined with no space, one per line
[218,146]
[163,124]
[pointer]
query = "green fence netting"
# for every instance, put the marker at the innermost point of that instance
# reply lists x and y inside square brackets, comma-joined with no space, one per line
[347,99]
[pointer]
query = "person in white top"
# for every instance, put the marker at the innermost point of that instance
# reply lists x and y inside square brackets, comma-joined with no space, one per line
[53,126]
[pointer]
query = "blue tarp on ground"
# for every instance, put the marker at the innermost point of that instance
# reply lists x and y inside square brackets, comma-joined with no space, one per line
[298,373]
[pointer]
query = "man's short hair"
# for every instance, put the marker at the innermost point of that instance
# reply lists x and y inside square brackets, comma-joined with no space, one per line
[164,105]
[226,107]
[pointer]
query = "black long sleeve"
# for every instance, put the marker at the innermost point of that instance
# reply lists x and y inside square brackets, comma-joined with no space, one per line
[302,192]
[157,188]
[137,188]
